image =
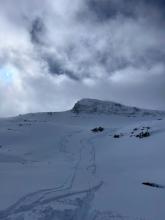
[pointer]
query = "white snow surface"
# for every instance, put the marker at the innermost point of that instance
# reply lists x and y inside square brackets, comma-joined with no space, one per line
[53,167]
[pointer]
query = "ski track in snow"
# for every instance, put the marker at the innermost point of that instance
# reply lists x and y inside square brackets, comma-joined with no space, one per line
[21,206]
[38,198]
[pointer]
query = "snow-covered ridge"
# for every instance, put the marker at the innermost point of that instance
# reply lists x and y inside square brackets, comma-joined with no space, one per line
[108,107]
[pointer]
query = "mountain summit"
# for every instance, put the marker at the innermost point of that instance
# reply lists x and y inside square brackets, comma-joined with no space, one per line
[108,107]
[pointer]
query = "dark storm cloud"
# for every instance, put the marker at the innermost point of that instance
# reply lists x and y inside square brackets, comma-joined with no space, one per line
[55,67]
[160,4]
[37,30]
[105,9]
[109,9]
[60,52]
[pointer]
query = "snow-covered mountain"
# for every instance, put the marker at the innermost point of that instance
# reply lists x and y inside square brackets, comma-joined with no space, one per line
[107,107]
[88,163]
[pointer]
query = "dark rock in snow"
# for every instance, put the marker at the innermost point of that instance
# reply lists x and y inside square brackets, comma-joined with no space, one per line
[98,129]
[143,134]
[116,136]
[153,185]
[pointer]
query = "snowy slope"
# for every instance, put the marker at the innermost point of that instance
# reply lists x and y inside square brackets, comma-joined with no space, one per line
[53,167]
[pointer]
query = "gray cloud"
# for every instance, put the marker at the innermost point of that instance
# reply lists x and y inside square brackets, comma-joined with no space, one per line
[37,30]
[105,9]
[58,67]
[56,53]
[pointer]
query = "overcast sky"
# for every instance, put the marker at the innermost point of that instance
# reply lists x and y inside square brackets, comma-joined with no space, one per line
[54,52]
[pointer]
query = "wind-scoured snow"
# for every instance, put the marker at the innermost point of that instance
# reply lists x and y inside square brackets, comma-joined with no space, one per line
[54,167]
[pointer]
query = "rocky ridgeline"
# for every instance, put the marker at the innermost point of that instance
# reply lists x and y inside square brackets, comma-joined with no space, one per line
[107,107]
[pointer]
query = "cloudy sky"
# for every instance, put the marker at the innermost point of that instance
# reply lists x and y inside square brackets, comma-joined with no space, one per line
[54,52]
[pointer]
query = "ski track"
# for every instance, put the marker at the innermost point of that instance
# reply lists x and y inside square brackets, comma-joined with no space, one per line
[20,207]
[38,198]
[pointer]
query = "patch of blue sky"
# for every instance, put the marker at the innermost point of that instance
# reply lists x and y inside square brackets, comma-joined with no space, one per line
[6,74]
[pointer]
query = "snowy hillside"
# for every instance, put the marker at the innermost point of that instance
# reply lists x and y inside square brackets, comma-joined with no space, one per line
[94,162]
